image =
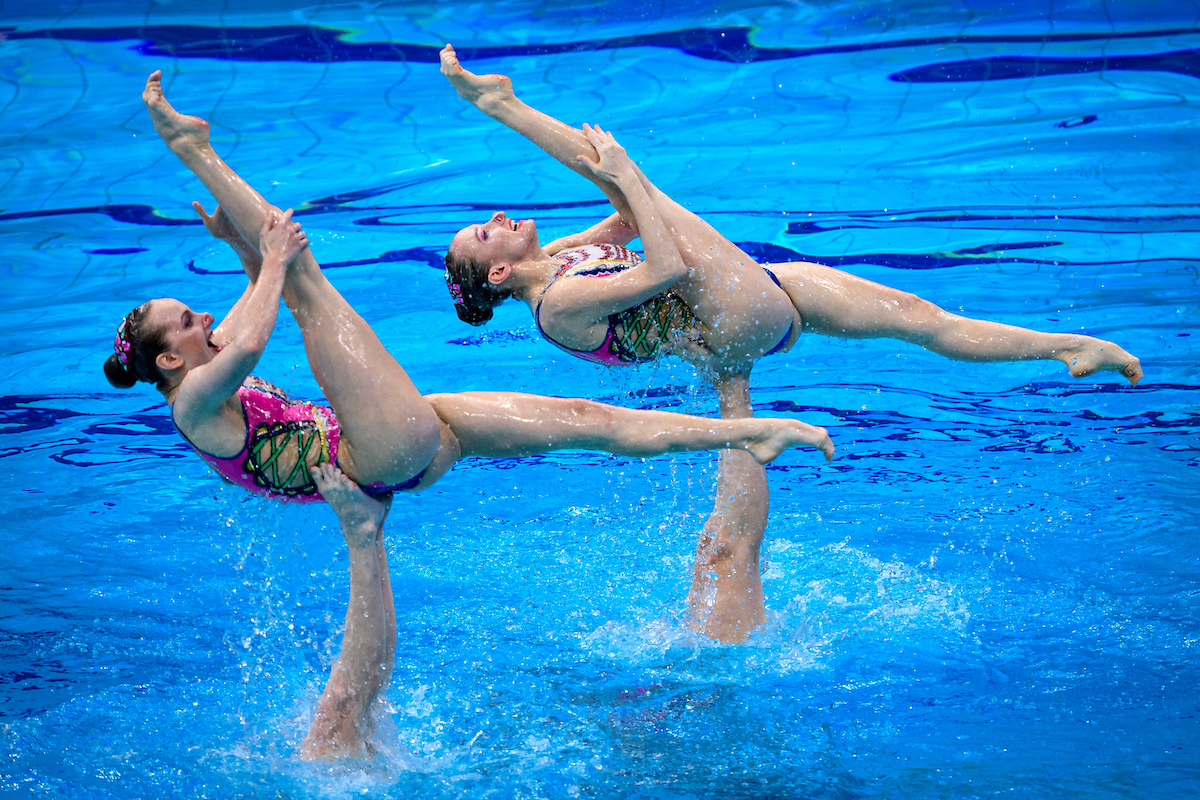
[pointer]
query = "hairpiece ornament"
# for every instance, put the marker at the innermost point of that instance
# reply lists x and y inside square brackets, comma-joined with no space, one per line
[455,292]
[121,345]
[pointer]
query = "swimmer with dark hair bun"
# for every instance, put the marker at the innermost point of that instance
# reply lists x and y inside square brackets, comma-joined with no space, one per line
[380,430]
[699,296]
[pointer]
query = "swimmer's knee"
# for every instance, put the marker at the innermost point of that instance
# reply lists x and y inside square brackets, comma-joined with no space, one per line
[918,308]
[590,410]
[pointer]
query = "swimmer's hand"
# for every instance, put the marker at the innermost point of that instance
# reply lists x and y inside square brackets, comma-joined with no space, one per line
[614,164]
[280,238]
[218,224]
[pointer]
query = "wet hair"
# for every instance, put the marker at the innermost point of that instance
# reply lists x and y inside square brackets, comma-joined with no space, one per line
[474,298]
[141,346]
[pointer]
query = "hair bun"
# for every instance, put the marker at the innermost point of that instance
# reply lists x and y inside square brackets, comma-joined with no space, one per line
[472,315]
[118,374]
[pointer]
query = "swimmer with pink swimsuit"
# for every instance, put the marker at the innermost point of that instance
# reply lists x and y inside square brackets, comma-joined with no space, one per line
[379,429]
[275,422]
[698,295]
[638,334]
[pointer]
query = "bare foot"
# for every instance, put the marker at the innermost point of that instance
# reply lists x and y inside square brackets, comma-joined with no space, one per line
[780,434]
[360,514]
[178,131]
[483,91]
[1092,355]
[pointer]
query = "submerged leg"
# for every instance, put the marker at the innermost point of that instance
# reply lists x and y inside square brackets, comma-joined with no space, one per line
[725,601]
[511,425]
[836,303]
[744,313]
[364,666]
[389,433]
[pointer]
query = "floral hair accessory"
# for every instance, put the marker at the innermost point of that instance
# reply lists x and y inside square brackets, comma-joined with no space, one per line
[121,345]
[455,292]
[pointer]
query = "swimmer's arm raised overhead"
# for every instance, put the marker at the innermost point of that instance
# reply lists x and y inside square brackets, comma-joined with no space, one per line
[221,227]
[614,230]
[206,387]
[597,297]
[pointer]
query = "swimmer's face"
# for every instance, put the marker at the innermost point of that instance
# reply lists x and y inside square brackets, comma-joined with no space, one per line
[500,240]
[188,333]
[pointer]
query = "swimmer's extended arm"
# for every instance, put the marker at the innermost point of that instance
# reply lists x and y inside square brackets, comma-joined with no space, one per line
[205,388]
[614,230]
[574,302]
[221,227]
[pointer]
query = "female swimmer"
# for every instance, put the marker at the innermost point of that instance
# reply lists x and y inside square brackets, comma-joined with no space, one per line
[698,295]
[380,430]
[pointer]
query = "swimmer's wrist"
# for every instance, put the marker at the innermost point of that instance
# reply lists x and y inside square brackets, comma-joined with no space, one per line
[273,260]
[627,177]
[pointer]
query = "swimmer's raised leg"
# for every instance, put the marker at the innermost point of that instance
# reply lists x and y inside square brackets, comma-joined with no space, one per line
[725,601]
[514,425]
[836,303]
[743,312]
[493,95]
[342,720]
[389,433]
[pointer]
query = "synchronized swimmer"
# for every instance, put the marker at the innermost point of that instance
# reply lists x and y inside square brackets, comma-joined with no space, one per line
[695,294]
[699,296]
[378,429]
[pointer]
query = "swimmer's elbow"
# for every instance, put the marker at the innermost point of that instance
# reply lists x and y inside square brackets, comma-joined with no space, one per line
[249,345]
[676,270]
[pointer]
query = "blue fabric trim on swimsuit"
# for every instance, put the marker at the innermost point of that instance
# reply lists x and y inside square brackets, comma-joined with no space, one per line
[411,483]
[787,335]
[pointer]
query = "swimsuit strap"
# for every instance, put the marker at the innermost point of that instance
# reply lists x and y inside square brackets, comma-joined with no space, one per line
[558,273]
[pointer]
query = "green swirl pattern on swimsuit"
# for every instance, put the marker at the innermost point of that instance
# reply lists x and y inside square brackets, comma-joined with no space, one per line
[643,331]
[265,461]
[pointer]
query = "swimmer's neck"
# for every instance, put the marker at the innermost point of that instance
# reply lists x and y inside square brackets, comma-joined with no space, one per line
[533,276]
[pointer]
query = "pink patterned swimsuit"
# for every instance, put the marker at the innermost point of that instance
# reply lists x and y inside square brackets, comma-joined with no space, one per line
[634,336]
[284,438]
[638,334]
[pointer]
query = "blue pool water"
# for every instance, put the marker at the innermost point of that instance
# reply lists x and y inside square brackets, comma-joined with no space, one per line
[992,591]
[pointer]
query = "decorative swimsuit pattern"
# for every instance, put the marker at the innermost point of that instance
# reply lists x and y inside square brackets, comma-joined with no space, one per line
[273,423]
[638,334]
[633,336]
